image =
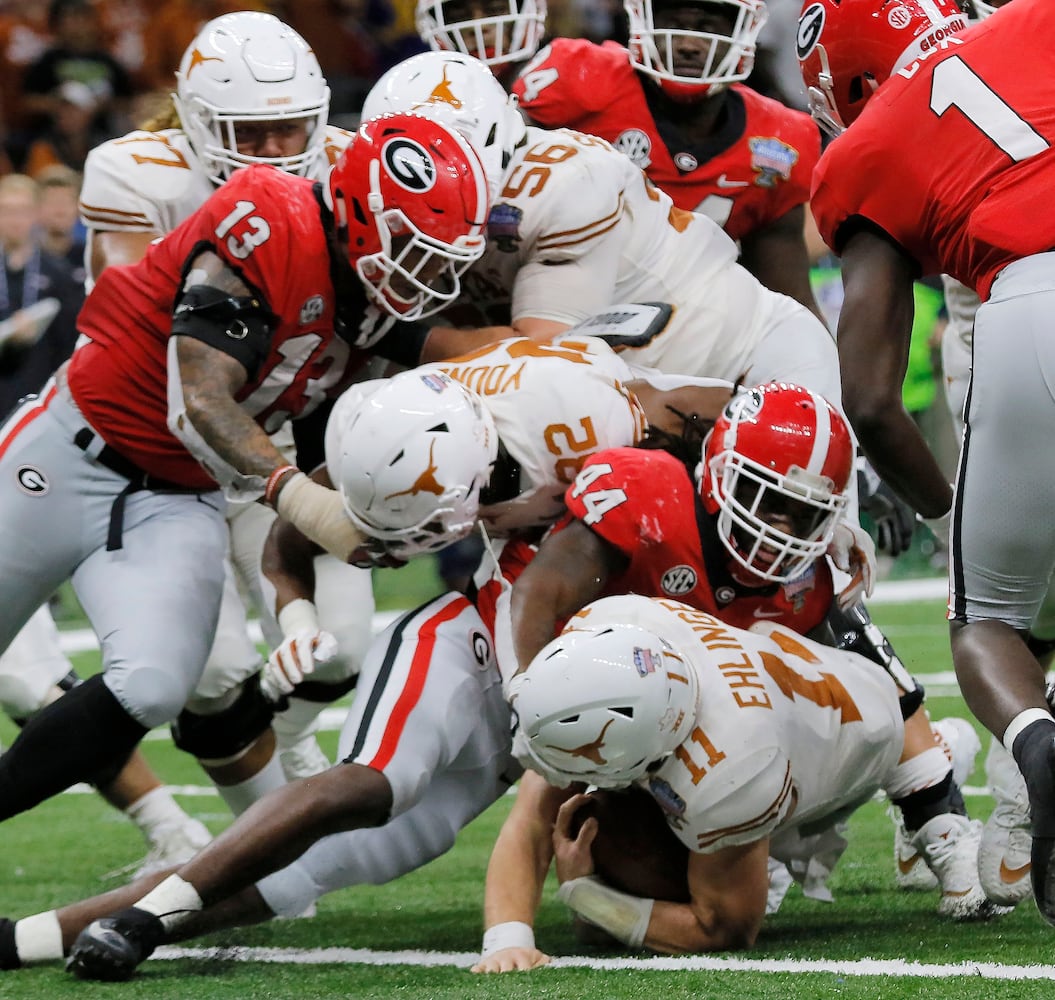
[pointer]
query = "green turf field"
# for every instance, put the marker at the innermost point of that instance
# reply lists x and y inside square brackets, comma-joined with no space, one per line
[64,848]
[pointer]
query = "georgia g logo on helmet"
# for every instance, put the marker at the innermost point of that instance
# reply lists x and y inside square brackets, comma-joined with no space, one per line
[409,164]
[811,24]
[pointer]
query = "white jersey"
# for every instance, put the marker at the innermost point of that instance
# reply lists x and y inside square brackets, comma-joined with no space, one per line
[553,406]
[152,181]
[789,733]
[577,227]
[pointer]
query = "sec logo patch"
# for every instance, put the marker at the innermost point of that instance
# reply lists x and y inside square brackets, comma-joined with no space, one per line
[678,580]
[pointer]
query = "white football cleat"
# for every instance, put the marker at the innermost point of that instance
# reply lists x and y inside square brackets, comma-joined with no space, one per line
[910,869]
[949,845]
[1004,851]
[174,845]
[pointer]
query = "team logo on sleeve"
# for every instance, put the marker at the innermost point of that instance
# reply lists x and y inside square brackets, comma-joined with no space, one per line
[668,800]
[409,164]
[678,580]
[772,159]
[312,310]
[481,648]
[637,145]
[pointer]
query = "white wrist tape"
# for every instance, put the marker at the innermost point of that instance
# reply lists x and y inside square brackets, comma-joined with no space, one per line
[38,938]
[174,901]
[625,917]
[318,512]
[298,616]
[511,934]
[1022,721]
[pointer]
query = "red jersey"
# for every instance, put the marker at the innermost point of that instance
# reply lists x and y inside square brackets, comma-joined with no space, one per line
[264,223]
[953,156]
[646,505]
[751,171]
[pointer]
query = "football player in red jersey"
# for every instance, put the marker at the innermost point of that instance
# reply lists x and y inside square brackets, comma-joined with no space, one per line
[675,104]
[746,543]
[261,304]
[982,102]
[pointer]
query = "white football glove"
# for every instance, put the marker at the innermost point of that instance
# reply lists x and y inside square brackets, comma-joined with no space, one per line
[304,645]
[853,551]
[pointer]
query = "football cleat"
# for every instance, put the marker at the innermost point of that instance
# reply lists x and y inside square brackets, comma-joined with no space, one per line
[172,846]
[110,949]
[910,869]
[949,845]
[1004,852]
[780,881]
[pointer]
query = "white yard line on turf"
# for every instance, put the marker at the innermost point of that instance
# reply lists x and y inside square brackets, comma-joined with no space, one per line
[693,963]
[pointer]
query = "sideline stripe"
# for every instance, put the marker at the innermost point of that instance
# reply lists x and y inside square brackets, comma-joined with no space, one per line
[660,963]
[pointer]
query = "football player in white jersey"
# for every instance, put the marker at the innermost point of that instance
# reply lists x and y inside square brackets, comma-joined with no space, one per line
[745,739]
[136,188]
[575,226]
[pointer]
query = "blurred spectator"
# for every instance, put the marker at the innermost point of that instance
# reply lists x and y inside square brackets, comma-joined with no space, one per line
[124,24]
[24,37]
[172,27]
[37,294]
[61,232]
[72,132]
[776,73]
[343,35]
[77,54]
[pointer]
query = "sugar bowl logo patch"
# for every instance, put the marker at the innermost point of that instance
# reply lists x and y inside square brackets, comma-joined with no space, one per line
[678,580]
[503,226]
[772,159]
[32,481]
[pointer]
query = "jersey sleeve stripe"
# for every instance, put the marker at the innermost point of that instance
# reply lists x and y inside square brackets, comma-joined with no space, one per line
[764,821]
[412,679]
[93,214]
[570,237]
[23,417]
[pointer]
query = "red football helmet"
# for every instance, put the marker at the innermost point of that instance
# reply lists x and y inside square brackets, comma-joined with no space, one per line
[847,49]
[776,467]
[694,48]
[411,196]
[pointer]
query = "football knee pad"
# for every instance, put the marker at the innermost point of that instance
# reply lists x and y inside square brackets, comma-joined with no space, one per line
[228,732]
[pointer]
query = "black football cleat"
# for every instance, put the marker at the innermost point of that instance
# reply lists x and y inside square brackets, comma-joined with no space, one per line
[1042,873]
[110,949]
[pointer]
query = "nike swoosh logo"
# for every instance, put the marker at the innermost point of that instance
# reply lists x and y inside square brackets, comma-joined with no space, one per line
[762,613]
[905,865]
[724,182]
[1011,875]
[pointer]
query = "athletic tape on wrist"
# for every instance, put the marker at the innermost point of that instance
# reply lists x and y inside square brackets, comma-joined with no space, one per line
[625,917]
[511,934]
[300,615]
[38,938]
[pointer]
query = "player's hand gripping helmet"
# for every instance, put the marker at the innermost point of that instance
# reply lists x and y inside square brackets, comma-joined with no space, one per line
[603,704]
[409,456]
[410,195]
[504,32]
[847,49]
[694,48]
[461,92]
[243,69]
[776,467]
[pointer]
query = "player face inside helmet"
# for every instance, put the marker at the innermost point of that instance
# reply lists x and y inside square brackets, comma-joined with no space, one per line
[250,90]
[604,705]
[409,456]
[411,200]
[847,50]
[776,467]
[694,48]
[497,32]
